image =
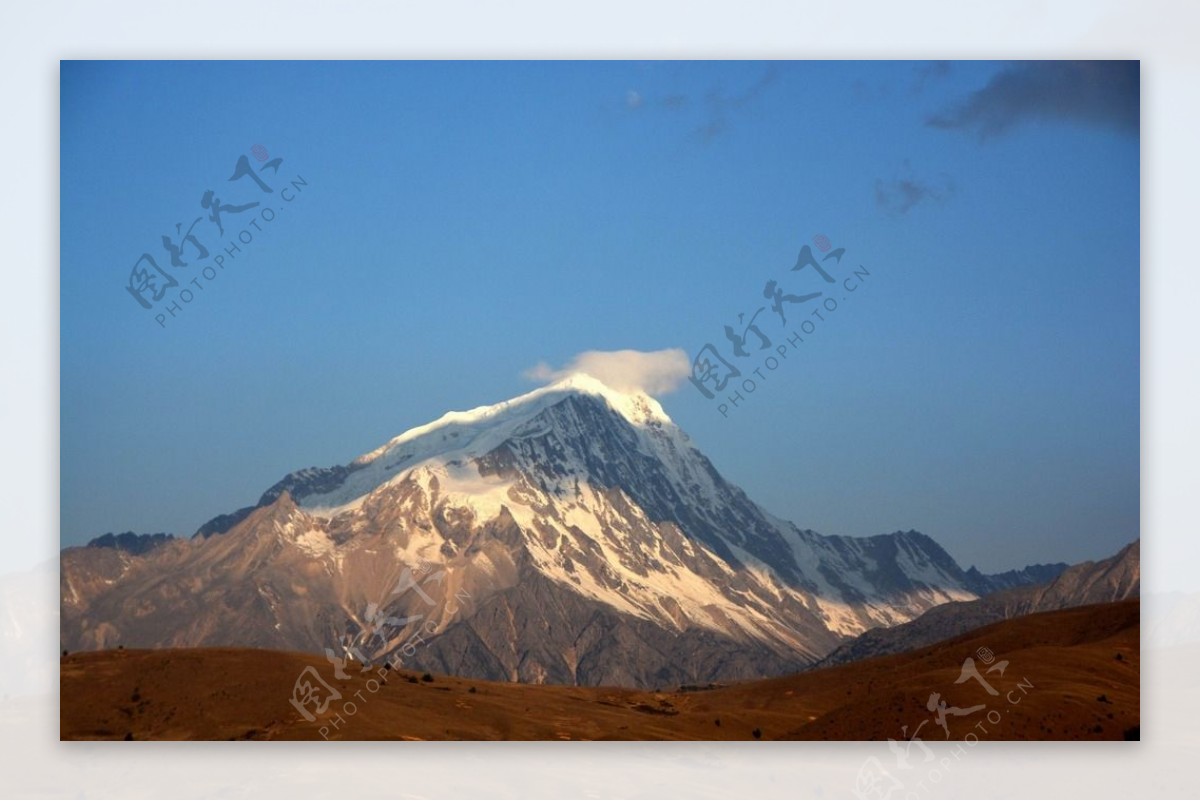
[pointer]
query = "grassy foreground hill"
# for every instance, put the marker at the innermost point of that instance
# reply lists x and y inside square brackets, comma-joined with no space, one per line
[1065,675]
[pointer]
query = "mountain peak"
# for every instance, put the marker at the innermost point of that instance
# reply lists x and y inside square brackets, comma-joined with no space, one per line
[458,437]
[637,407]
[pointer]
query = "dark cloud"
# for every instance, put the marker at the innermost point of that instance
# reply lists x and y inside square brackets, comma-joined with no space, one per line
[901,195]
[1103,94]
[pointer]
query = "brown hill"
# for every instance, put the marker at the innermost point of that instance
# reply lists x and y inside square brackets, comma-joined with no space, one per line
[1065,675]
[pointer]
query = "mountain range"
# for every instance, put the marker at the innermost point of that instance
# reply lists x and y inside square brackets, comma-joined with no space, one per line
[572,535]
[1117,578]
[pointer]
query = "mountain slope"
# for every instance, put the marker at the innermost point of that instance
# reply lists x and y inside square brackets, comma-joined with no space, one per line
[571,535]
[1117,578]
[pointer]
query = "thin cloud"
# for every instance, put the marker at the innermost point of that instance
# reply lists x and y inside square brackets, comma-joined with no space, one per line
[1101,94]
[929,73]
[722,106]
[656,372]
[899,196]
[675,102]
[716,105]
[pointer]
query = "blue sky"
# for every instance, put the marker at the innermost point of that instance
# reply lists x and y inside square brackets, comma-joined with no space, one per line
[457,223]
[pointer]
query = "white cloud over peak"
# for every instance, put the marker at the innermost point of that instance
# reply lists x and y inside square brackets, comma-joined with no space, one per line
[652,372]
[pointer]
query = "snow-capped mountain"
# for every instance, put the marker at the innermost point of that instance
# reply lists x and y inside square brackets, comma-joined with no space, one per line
[570,535]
